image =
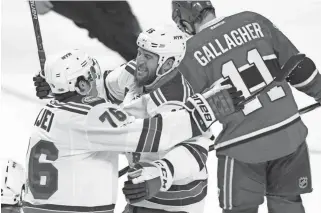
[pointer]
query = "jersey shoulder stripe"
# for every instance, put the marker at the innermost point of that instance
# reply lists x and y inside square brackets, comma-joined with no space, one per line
[177,89]
[78,104]
[131,67]
[69,109]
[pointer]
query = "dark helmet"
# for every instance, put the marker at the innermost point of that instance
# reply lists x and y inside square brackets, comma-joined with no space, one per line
[185,13]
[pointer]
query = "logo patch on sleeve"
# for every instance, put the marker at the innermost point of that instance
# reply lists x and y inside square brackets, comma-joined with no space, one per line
[90,99]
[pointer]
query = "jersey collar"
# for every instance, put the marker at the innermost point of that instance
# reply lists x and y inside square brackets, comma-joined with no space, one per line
[210,23]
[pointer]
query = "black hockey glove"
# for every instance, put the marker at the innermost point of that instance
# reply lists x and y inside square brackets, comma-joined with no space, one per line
[226,101]
[42,87]
[146,179]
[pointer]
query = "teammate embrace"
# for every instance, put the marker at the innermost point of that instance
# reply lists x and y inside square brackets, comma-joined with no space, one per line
[147,109]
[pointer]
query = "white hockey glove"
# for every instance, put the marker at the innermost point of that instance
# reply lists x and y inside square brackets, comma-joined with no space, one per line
[146,179]
[12,181]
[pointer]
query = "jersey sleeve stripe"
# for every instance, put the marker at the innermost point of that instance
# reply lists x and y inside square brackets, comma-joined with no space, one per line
[187,187]
[182,194]
[158,133]
[160,96]
[50,122]
[197,153]
[150,135]
[153,97]
[143,136]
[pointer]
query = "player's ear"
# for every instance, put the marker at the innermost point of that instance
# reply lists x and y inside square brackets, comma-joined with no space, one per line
[82,86]
[168,65]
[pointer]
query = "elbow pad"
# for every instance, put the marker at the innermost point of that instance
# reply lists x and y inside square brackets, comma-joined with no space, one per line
[303,74]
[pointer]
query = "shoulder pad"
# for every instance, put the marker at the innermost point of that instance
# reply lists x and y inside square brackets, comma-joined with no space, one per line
[177,89]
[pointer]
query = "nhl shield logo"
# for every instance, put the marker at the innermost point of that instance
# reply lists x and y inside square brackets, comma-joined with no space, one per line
[303,182]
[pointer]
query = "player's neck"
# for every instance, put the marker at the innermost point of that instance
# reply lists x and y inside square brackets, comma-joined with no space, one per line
[207,20]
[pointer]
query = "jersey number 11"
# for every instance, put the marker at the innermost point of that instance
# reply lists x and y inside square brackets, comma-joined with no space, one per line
[254,58]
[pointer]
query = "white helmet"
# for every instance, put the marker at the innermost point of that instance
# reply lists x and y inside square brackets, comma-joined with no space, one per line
[62,70]
[165,41]
[12,181]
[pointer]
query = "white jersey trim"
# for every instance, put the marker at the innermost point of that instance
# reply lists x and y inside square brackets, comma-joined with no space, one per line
[306,82]
[258,132]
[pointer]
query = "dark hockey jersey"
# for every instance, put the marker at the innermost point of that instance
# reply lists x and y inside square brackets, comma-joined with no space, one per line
[248,49]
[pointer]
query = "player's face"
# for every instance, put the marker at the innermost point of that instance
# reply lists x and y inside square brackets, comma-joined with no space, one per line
[147,64]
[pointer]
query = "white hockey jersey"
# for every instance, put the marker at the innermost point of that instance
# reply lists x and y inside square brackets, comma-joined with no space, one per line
[190,182]
[72,161]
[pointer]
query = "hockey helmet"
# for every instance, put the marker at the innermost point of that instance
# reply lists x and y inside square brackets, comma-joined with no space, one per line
[165,41]
[185,13]
[62,70]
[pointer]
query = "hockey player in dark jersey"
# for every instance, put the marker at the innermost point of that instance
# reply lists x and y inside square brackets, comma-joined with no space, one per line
[262,149]
[111,22]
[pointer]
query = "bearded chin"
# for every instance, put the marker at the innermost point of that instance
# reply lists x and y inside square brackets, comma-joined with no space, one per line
[146,80]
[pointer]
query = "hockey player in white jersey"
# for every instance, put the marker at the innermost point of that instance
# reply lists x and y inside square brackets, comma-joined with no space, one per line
[72,159]
[12,184]
[149,85]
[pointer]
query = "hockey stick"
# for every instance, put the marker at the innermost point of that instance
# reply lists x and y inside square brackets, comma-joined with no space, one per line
[36,27]
[123,171]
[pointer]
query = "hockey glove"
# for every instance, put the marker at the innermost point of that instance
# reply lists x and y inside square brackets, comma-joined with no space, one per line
[42,87]
[220,100]
[226,101]
[146,179]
